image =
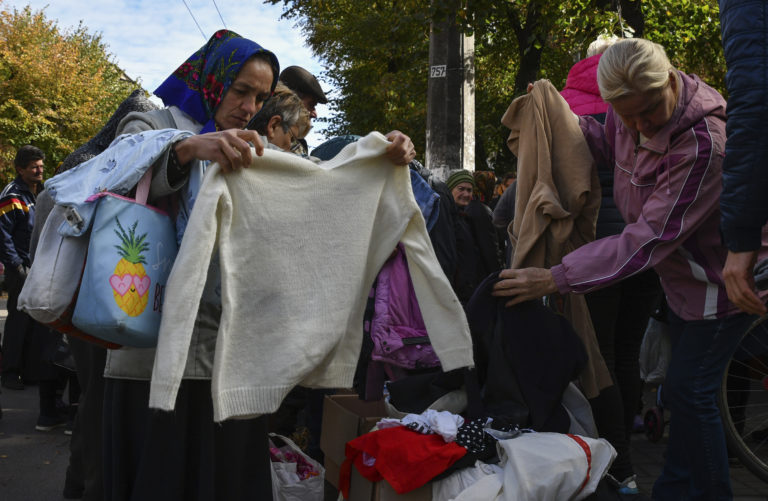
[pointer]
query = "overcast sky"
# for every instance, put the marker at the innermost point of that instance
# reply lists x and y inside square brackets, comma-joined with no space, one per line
[151,38]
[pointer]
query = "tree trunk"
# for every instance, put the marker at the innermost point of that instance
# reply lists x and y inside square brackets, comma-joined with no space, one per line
[530,62]
[528,35]
[633,15]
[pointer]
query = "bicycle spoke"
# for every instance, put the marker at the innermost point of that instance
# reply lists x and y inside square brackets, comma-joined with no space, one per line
[756,448]
[763,421]
[734,377]
[758,333]
[743,399]
[752,337]
[748,406]
[752,357]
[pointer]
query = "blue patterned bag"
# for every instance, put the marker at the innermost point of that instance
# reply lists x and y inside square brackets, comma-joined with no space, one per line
[130,254]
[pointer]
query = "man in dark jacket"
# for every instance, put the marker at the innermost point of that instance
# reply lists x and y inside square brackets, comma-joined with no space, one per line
[743,203]
[306,86]
[17,215]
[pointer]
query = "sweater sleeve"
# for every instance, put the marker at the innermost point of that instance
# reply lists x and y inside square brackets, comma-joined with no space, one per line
[184,290]
[442,312]
[685,195]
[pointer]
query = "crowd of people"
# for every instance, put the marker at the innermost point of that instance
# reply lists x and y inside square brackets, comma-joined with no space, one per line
[677,211]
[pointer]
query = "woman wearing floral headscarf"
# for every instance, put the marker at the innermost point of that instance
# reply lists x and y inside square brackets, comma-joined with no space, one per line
[185,455]
[210,100]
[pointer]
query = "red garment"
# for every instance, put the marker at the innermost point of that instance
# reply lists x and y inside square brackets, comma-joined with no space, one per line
[581,90]
[404,458]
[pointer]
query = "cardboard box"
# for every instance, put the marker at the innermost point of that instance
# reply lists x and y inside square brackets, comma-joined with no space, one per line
[332,470]
[346,417]
[362,490]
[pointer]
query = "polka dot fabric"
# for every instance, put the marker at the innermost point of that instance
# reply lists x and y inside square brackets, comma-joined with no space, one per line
[474,439]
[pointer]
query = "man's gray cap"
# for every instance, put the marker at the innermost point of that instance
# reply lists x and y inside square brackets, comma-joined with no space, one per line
[298,79]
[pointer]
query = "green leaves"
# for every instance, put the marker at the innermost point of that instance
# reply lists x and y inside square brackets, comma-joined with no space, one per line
[690,33]
[57,87]
[377,54]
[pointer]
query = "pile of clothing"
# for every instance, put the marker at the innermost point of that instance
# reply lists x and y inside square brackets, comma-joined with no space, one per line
[476,459]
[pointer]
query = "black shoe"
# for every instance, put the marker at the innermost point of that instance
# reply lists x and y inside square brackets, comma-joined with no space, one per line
[71,414]
[48,423]
[72,491]
[12,382]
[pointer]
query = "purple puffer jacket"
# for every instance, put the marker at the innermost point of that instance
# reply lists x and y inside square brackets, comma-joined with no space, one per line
[397,329]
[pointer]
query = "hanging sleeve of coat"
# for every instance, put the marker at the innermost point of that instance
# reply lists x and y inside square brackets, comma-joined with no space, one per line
[558,197]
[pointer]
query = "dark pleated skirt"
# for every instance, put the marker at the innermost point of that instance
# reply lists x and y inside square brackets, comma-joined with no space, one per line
[181,455]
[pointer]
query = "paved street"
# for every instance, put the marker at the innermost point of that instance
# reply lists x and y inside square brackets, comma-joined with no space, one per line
[33,464]
[648,459]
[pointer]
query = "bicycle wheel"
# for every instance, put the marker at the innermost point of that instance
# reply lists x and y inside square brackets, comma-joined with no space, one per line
[743,400]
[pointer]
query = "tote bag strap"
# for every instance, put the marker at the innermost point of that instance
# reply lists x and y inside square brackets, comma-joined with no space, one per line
[142,189]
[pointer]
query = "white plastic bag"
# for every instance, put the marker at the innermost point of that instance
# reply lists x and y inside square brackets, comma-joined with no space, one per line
[481,481]
[553,466]
[578,409]
[286,483]
[655,352]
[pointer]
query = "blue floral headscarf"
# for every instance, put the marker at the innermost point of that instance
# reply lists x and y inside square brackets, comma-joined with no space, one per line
[198,85]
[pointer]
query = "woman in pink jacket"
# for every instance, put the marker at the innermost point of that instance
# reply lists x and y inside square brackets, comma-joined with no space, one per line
[619,312]
[665,135]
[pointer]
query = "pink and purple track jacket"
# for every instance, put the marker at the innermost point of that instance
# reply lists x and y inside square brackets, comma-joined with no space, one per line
[668,191]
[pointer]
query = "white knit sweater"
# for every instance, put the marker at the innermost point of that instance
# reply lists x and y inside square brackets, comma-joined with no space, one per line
[300,245]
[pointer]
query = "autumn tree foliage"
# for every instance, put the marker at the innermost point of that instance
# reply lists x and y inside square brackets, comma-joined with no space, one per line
[57,87]
[377,57]
[377,53]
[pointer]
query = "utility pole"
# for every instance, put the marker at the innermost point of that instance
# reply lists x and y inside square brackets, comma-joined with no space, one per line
[450,100]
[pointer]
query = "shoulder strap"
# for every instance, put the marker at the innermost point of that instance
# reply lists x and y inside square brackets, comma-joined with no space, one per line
[166,119]
[142,189]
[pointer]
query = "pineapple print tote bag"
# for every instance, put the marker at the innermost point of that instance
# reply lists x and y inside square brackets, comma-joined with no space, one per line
[130,255]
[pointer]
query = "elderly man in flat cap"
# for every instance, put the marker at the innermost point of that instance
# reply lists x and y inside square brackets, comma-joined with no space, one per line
[306,86]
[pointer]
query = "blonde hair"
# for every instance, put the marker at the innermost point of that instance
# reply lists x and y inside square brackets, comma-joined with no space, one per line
[287,105]
[601,43]
[632,66]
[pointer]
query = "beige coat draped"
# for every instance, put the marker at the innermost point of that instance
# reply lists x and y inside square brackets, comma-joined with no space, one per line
[558,196]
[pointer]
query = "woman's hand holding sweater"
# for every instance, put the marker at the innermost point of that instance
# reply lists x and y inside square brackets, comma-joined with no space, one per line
[231,149]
